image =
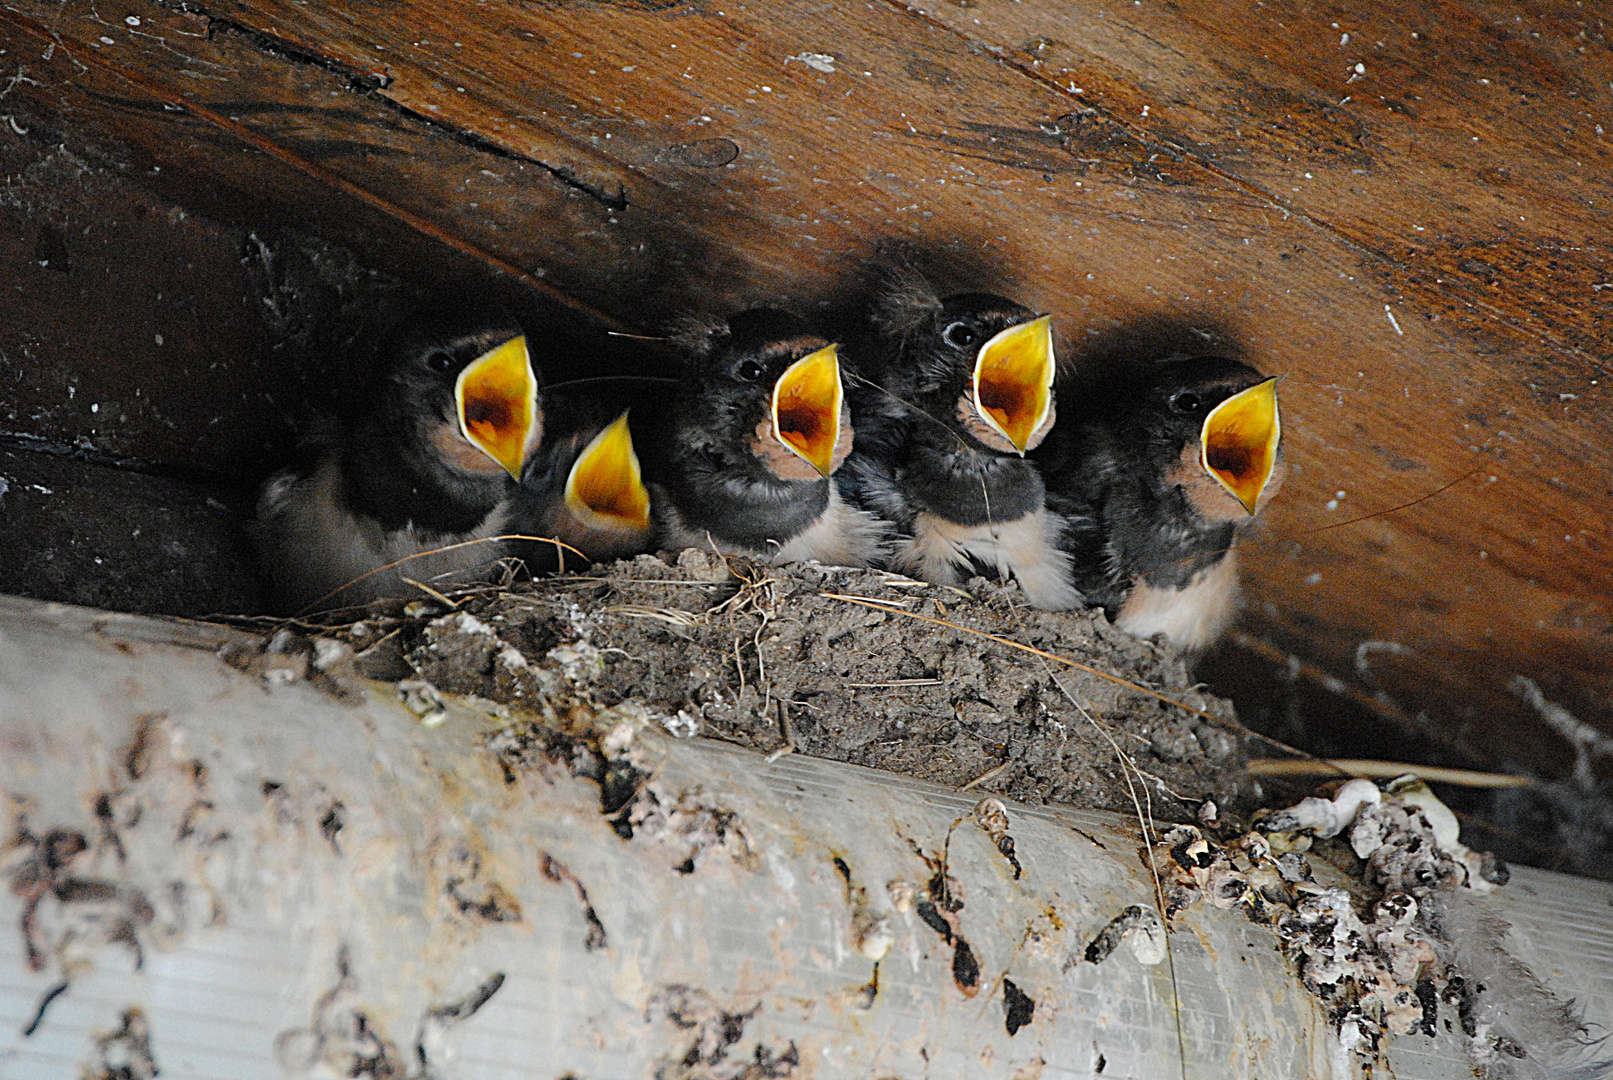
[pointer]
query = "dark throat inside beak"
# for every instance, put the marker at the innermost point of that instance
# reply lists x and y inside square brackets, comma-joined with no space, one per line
[1239,442]
[806,408]
[496,397]
[1013,382]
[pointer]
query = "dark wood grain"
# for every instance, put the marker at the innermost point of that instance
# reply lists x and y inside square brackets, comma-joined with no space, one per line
[1426,262]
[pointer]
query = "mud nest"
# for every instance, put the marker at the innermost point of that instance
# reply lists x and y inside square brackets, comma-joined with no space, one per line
[779,659]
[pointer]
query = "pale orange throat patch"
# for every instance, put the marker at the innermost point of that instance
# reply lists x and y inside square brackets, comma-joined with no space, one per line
[1205,494]
[462,455]
[782,460]
[990,436]
[1013,382]
[496,397]
[807,408]
[1239,442]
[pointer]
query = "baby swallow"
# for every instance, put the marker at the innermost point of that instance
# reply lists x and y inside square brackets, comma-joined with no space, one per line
[1154,481]
[585,489]
[964,391]
[743,454]
[427,457]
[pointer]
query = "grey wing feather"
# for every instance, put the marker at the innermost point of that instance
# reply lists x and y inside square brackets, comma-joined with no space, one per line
[867,485]
[1510,1003]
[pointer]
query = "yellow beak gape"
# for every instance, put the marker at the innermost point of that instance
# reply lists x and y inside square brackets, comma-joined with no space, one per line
[1013,380]
[605,488]
[496,397]
[1238,445]
[806,408]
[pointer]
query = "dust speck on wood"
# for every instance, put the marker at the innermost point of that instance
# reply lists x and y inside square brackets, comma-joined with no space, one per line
[761,657]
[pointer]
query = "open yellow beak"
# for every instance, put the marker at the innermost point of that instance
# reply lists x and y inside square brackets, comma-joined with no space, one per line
[806,408]
[497,399]
[1238,445]
[1013,380]
[606,488]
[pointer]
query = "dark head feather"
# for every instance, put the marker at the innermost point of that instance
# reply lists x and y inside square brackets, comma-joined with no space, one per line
[698,336]
[905,301]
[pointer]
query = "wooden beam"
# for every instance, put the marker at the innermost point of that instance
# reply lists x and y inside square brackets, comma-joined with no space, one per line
[218,870]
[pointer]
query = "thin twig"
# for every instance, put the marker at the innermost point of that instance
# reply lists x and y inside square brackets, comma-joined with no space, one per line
[943,425]
[889,685]
[989,774]
[1326,680]
[378,642]
[1385,770]
[1312,532]
[429,591]
[671,616]
[549,388]
[1391,510]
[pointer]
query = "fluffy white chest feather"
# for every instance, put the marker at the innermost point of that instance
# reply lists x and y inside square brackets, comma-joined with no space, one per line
[312,545]
[842,536]
[1191,617]
[1024,549]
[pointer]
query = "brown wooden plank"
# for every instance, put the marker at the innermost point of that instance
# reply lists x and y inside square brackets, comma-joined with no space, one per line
[170,330]
[1175,229]
[172,89]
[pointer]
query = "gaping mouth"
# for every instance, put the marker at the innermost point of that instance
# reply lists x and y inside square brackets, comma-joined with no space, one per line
[497,400]
[1013,380]
[806,408]
[605,487]
[1239,442]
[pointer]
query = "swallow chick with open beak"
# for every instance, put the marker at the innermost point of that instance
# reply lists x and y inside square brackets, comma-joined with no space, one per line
[964,391]
[427,457]
[584,489]
[742,456]
[1155,480]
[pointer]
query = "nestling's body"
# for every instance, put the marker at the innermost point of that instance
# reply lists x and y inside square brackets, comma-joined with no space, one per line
[424,460]
[963,391]
[1148,526]
[742,456]
[320,543]
[583,490]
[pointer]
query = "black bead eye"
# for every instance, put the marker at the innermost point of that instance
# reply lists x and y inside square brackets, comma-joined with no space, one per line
[437,360]
[1186,402]
[960,335]
[750,370]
